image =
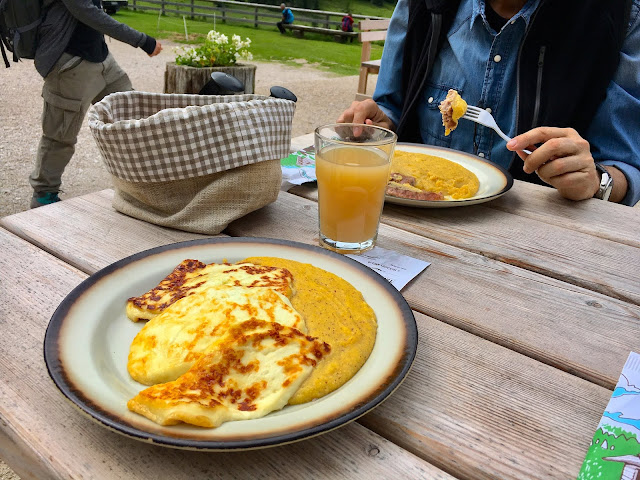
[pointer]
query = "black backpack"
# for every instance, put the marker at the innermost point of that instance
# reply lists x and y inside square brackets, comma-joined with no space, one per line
[19,21]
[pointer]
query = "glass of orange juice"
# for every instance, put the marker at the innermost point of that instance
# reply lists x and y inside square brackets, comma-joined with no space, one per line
[352,168]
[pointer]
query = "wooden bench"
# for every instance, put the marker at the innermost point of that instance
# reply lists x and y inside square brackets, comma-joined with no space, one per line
[370,31]
[338,34]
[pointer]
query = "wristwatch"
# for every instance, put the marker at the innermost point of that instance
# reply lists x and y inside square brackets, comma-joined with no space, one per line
[606,183]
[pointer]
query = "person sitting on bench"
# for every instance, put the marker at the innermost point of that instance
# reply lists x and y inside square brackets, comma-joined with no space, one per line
[287,18]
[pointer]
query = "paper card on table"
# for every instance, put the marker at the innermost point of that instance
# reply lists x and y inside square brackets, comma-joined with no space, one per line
[395,267]
[298,168]
[614,452]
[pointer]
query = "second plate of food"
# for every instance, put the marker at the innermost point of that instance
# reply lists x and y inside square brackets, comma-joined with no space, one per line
[493,180]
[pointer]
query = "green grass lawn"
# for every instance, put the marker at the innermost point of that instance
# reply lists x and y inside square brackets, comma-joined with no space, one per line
[267,44]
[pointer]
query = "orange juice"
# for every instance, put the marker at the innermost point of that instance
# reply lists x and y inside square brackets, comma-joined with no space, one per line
[351,185]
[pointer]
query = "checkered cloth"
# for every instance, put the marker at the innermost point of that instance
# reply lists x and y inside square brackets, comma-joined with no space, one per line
[153,137]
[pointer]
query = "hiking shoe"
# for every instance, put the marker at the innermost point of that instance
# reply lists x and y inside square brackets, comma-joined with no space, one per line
[44,198]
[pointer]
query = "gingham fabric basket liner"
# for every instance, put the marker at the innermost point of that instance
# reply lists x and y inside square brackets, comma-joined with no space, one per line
[153,137]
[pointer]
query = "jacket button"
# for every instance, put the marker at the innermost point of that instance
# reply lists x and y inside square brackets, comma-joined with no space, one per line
[497,58]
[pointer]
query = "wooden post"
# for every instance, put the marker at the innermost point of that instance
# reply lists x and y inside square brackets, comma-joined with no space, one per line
[255,19]
[192,10]
[364,71]
[183,79]
[327,22]
[162,8]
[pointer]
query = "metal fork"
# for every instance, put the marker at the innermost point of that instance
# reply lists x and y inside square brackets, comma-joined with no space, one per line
[481,116]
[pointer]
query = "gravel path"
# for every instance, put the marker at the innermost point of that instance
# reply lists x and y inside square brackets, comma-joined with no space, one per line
[321,98]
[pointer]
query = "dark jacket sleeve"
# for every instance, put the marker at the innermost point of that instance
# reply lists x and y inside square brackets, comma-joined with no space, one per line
[86,12]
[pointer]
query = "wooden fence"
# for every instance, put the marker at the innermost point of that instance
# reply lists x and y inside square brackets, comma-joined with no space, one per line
[241,12]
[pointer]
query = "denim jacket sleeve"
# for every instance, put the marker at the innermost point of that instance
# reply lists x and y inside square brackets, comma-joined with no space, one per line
[388,93]
[615,129]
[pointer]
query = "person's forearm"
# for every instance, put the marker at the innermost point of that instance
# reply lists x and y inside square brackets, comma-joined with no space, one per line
[619,184]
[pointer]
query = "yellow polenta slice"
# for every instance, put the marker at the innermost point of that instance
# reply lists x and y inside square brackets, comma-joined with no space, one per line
[252,370]
[192,275]
[169,344]
[436,174]
[334,311]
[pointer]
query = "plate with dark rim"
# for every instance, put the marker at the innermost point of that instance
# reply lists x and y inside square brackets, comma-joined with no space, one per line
[87,343]
[494,180]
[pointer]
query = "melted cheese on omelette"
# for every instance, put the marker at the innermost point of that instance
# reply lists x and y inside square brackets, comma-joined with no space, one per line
[334,311]
[252,370]
[430,173]
[169,344]
[192,275]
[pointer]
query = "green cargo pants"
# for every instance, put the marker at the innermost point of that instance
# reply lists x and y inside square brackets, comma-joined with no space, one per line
[71,87]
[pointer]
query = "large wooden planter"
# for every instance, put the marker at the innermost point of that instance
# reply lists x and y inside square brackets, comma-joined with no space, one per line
[184,79]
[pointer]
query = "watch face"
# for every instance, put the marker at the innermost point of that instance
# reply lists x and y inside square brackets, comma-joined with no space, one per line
[606,183]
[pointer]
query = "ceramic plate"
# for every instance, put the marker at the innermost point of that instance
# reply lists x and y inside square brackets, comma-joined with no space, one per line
[495,181]
[88,338]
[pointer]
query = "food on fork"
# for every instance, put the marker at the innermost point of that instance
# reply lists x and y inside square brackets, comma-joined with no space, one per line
[419,176]
[453,107]
[226,350]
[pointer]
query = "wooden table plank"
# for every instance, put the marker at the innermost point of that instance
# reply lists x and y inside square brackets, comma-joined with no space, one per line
[302,141]
[577,330]
[614,222]
[99,235]
[44,436]
[479,410]
[546,319]
[572,256]
[483,411]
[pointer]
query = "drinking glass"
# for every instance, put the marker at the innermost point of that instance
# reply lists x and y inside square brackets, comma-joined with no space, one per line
[352,168]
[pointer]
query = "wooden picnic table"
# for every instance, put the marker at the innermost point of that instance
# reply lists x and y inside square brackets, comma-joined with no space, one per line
[526,316]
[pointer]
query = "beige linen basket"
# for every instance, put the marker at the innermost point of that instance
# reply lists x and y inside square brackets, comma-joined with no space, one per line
[192,162]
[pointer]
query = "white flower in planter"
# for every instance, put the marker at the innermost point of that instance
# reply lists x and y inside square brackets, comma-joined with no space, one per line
[216,51]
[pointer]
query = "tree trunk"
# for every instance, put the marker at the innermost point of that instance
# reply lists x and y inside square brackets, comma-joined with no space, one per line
[184,79]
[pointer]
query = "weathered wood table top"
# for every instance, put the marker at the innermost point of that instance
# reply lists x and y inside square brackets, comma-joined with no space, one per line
[526,316]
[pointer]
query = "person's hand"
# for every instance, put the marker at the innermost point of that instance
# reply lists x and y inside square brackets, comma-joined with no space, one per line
[563,160]
[156,50]
[367,112]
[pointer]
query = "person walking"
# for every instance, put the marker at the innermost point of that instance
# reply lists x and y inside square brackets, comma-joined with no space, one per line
[78,70]
[287,18]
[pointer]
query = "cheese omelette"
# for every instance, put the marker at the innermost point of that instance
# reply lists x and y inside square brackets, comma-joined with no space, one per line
[191,275]
[252,370]
[169,344]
